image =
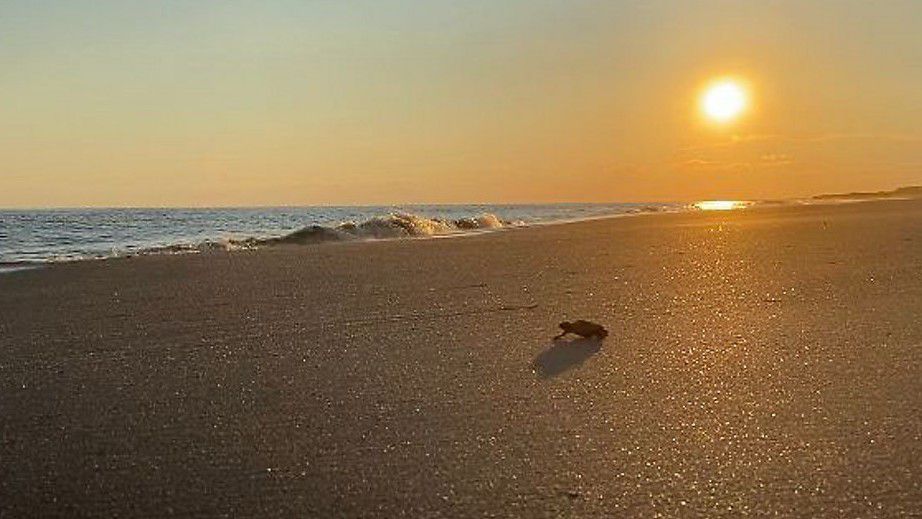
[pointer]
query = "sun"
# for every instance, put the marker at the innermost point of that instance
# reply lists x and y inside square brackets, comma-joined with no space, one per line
[724,100]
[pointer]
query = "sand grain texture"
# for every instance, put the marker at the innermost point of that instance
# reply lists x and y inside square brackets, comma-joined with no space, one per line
[764,361]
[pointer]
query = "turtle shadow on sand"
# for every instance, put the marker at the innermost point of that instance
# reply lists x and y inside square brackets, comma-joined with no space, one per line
[564,355]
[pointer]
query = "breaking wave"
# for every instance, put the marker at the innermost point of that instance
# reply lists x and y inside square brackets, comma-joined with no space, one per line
[395,225]
[392,226]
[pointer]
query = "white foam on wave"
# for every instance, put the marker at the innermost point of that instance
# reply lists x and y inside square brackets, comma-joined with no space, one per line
[392,226]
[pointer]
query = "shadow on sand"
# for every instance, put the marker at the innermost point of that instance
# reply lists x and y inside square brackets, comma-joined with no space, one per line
[564,355]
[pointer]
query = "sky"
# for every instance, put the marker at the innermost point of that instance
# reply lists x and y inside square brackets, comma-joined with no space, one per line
[278,102]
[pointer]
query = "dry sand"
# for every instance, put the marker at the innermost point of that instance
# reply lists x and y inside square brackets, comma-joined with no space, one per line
[763,361]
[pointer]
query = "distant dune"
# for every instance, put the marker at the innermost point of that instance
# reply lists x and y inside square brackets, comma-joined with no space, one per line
[902,192]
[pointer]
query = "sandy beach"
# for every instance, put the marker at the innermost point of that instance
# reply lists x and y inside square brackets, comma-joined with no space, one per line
[764,361]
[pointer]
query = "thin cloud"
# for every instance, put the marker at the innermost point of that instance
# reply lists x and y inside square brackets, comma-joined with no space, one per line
[798,139]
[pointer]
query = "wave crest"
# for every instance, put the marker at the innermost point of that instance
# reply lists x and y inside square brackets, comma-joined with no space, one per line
[394,225]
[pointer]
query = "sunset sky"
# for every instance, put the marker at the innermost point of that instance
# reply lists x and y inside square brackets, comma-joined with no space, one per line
[201,103]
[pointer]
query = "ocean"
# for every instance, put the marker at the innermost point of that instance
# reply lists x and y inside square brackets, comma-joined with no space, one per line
[41,236]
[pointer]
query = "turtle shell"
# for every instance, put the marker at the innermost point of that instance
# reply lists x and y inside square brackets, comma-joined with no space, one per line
[585,328]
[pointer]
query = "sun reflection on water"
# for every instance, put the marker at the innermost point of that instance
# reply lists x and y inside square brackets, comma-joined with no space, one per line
[720,205]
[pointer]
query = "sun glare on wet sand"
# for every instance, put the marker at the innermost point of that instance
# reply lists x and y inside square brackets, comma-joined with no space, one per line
[720,205]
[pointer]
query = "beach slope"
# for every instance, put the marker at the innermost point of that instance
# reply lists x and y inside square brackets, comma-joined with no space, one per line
[760,361]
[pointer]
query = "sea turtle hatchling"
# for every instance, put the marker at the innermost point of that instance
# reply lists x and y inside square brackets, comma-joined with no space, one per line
[582,328]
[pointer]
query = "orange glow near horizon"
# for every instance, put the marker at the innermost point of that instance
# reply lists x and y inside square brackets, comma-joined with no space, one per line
[255,104]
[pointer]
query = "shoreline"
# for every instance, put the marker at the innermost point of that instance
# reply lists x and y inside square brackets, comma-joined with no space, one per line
[391,223]
[233,245]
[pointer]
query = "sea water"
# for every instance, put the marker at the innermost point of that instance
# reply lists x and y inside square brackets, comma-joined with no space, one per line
[41,236]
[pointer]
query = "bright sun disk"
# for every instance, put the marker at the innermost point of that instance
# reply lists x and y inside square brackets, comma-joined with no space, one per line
[724,100]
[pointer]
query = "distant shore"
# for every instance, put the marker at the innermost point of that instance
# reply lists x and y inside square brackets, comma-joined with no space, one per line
[762,361]
[907,192]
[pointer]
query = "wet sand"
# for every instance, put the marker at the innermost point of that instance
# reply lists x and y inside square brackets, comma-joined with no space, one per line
[765,361]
